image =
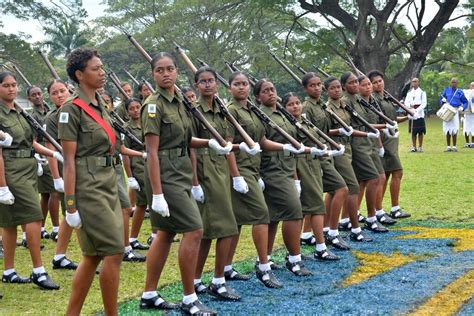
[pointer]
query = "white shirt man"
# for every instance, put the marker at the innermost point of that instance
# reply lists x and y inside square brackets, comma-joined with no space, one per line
[416,100]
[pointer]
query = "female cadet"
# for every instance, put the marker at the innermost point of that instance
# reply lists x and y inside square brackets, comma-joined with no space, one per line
[211,188]
[278,171]
[21,177]
[310,175]
[391,160]
[143,91]
[58,94]
[167,127]
[364,167]
[333,182]
[137,165]
[92,203]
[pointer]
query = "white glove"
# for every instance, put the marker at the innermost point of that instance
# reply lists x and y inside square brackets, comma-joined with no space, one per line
[255,150]
[444,100]
[133,184]
[39,171]
[6,197]
[337,153]
[218,148]
[57,155]
[144,155]
[460,108]
[261,183]
[373,135]
[389,126]
[389,135]
[344,132]
[198,193]
[298,186]
[316,152]
[160,205]
[41,160]
[381,152]
[7,141]
[59,184]
[239,185]
[291,149]
[73,219]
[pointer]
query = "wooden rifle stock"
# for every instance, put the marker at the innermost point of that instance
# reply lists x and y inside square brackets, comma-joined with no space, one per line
[49,65]
[135,81]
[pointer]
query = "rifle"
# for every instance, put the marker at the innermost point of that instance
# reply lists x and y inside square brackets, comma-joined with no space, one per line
[135,81]
[187,104]
[390,97]
[53,71]
[247,139]
[150,87]
[297,79]
[28,84]
[292,119]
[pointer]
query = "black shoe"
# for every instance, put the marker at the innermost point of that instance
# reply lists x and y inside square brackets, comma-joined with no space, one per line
[44,234]
[200,288]
[359,237]
[54,236]
[338,242]
[311,241]
[226,295]
[274,266]
[149,240]
[325,255]
[138,245]
[376,227]
[69,266]
[233,275]
[385,219]
[24,243]
[270,282]
[345,226]
[361,218]
[149,303]
[133,256]
[46,284]
[399,214]
[15,278]
[202,310]
[297,268]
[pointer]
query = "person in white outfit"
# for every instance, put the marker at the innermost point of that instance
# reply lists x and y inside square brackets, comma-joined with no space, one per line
[416,100]
[468,125]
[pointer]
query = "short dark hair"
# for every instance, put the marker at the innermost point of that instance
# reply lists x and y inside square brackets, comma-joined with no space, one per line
[77,60]
[345,76]
[160,56]
[361,78]
[328,81]
[258,86]
[235,74]
[28,90]
[203,70]
[130,101]
[48,88]
[286,98]
[306,78]
[374,73]
[5,74]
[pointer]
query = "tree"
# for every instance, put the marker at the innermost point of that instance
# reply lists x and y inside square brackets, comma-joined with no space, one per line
[64,36]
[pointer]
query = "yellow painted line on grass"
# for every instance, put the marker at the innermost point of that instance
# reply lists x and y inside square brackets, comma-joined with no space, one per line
[450,299]
[464,237]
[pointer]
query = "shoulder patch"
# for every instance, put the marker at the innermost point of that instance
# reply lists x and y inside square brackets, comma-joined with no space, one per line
[64,117]
[152,110]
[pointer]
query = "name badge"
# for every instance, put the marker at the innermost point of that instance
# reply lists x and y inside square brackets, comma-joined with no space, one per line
[152,110]
[64,117]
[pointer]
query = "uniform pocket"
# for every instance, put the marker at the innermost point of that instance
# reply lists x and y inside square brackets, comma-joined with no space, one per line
[88,135]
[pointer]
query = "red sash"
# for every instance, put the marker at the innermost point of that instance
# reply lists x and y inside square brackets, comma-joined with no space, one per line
[96,117]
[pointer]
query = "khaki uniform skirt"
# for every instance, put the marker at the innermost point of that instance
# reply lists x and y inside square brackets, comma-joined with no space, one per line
[376,159]
[45,182]
[332,180]
[362,162]
[391,159]
[309,172]
[22,180]
[343,165]
[97,200]
[121,187]
[138,171]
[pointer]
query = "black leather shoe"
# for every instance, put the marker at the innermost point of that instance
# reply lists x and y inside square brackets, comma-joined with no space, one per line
[311,241]
[359,237]
[15,278]
[24,243]
[138,245]
[399,214]
[227,294]
[361,218]
[200,288]
[202,310]
[149,240]
[57,264]
[325,255]
[133,256]
[385,219]
[338,242]
[233,275]
[345,226]
[268,279]
[149,303]
[46,282]
[54,236]
[376,227]
[44,234]
[298,268]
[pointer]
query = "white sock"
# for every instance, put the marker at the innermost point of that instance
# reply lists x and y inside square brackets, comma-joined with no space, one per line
[306,235]
[228,268]
[149,294]
[379,212]
[197,281]
[188,299]
[333,232]
[128,248]
[55,229]
[371,219]
[356,230]
[24,235]
[42,229]
[59,256]
[8,271]
[454,147]
[325,229]
[321,247]
[448,147]
[218,281]
[395,208]
[294,259]
[344,220]
[264,266]
[39,270]
[130,240]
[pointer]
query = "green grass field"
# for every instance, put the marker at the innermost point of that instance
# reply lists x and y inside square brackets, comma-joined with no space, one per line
[437,187]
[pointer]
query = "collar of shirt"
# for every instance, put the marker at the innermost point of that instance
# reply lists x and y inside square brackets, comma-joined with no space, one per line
[81,95]
[337,104]
[37,109]
[239,105]
[313,100]
[7,110]
[202,103]
[168,96]
[268,110]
